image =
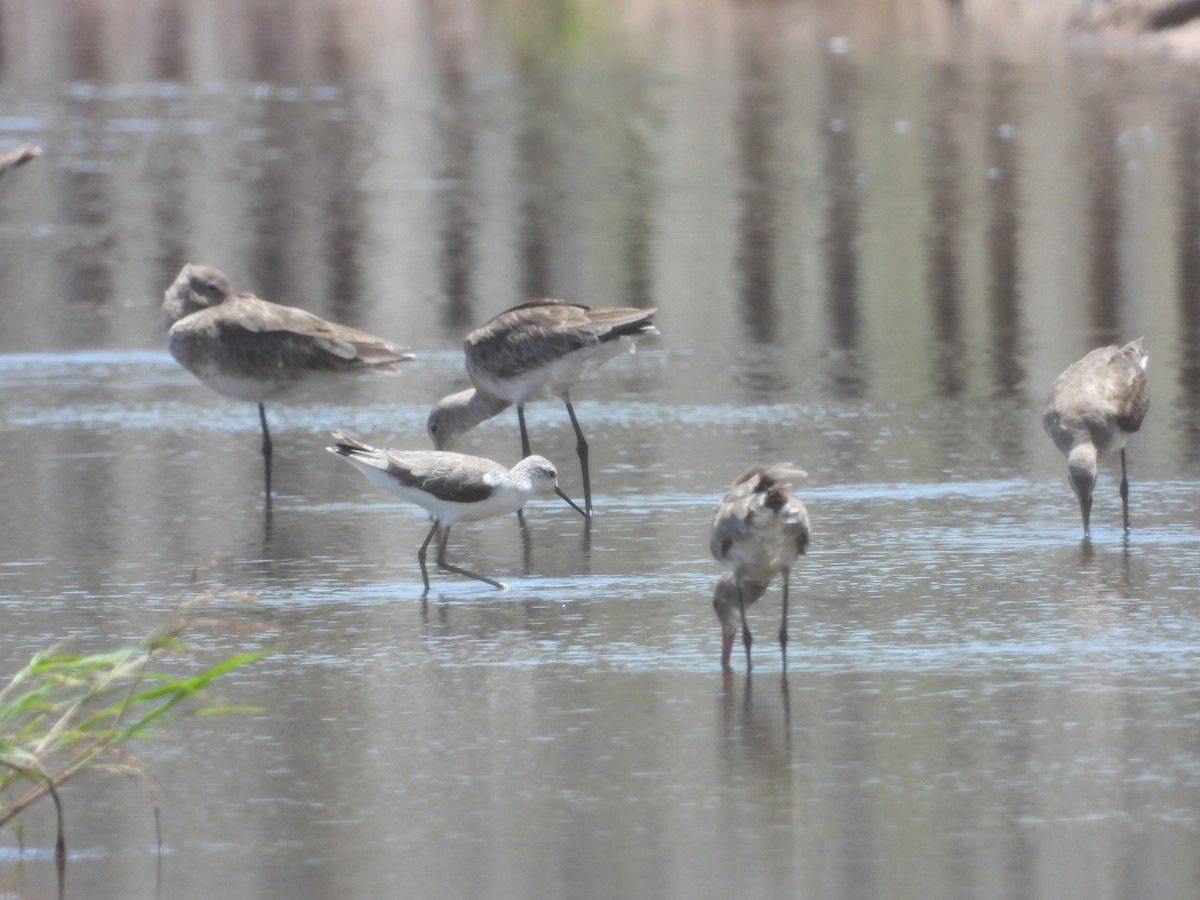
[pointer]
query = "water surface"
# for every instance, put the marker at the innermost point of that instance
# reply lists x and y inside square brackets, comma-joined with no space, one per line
[874,238]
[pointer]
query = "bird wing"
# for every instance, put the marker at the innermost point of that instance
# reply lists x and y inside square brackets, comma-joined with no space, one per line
[729,526]
[300,341]
[529,337]
[447,476]
[1127,388]
[760,522]
[539,333]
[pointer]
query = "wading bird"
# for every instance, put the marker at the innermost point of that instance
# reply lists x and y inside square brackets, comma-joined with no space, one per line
[759,529]
[451,487]
[251,349]
[1094,406]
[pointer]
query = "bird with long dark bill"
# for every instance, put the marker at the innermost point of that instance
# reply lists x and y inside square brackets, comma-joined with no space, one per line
[451,487]
[1093,409]
[759,530]
[251,349]
[536,350]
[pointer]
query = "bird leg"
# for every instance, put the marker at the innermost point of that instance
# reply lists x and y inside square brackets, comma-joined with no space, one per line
[442,564]
[1124,490]
[525,451]
[746,639]
[266,447]
[581,450]
[422,551]
[783,635]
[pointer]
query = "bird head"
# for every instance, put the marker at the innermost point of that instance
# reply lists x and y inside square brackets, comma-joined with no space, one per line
[456,414]
[728,609]
[195,288]
[1081,473]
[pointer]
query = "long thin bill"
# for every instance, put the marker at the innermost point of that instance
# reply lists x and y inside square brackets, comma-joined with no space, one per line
[570,502]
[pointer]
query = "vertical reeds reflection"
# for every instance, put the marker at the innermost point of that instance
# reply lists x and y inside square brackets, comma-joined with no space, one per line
[639,197]
[1003,248]
[757,119]
[847,372]
[944,278]
[1105,213]
[1003,232]
[167,173]
[1187,250]
[537,177]
[455,129]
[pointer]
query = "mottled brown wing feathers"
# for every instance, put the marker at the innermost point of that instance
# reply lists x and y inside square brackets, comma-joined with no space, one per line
[619,322]
[300,340]
[1126,386]
[1134,405]
[536,334]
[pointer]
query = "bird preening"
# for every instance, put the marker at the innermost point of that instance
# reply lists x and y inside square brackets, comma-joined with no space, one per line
[758,531]
[1093,408]
[252,349]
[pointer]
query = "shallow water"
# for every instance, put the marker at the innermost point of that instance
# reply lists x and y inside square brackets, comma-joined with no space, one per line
[872,249]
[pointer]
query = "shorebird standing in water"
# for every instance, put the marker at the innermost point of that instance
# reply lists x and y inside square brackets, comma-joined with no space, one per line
[1094,406]
[759,530]
[539,349]
[251,349]
[451,487]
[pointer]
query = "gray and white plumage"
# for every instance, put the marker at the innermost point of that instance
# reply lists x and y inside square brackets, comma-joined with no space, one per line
[1093,408]
[758,531]
[252,349]
[533,351]
[451,487]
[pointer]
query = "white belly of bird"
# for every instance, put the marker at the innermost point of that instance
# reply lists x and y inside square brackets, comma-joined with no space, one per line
[503,498]
[255,390]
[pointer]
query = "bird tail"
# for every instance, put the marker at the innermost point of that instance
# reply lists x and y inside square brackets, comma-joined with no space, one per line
[348,446]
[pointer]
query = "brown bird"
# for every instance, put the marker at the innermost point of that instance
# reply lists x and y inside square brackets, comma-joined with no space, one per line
[539,349]
[1094,406]
[251,349]
[759,529]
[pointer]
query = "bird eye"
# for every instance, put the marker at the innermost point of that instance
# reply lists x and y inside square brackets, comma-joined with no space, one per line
[433,428]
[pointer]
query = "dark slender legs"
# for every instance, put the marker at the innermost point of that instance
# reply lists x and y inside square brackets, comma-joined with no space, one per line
[441,560]
[1124,490]
[746,639]
[581,449]
[266,449]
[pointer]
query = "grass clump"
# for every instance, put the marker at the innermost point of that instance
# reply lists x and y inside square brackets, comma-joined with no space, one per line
[66,713]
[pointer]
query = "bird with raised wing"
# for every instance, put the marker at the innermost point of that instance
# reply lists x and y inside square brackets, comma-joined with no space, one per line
[536,350]
[1094,407]
[251,349]
[759,530]
[451,487]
